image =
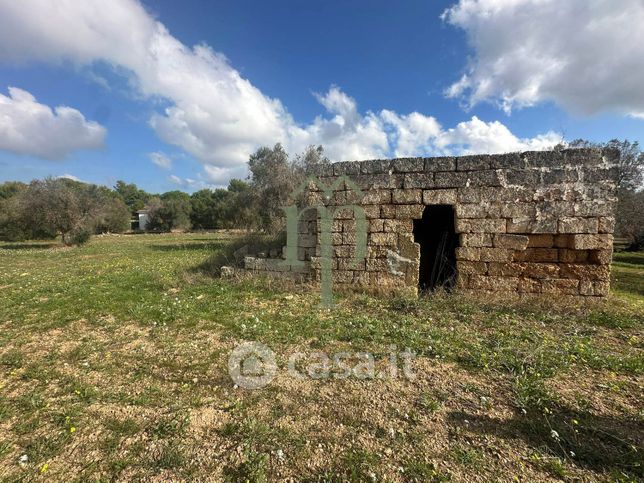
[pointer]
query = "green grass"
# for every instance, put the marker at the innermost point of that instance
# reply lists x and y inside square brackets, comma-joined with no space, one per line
[113,365]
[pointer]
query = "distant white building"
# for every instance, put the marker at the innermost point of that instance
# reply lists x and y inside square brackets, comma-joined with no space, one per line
[144,219]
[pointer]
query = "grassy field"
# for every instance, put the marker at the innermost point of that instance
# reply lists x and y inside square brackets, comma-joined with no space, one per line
[113,366]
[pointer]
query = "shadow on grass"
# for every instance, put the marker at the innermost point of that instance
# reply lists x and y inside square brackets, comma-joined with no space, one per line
[29,246]
[636,258]
[598,443]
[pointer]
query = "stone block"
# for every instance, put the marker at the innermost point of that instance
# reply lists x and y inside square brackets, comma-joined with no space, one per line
[601,289]
[439,197]
[523,177]
[487,178]
[440,164]
[342,276]
[409,211]
[561,241]
[504,269]
[578,225]
[540,270]
[516,242]
[386,239]
[471,268]
[388,211]
[591,242]
[601,257]
[477,210]
[476,240]
[376,197]
[584,271]
[517,210]
[594,208]
[408,165]
[375,166]
[559,176]
[494,284]
[418,180]
[561,286]
[377,264]
[529,285]
[351,264]
[407,196]
[398,226]
[496,254]
[376,225]
[449,180]
[471,254]
[378,181]
[572,256]
[537,255]
[346,168]
[466,225]
[473,163]
[507,161]
[606,224]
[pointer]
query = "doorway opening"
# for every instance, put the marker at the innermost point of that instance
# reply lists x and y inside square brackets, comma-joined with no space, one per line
[435,233]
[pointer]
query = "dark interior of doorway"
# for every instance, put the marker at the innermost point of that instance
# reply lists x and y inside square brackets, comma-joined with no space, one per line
[435,233]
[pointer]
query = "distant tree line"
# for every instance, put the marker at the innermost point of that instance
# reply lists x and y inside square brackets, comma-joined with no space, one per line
[45,209]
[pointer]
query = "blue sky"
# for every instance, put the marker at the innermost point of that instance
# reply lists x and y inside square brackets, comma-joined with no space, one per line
[347,75]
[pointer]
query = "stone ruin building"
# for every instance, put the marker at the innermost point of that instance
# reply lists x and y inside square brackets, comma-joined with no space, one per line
[533,222]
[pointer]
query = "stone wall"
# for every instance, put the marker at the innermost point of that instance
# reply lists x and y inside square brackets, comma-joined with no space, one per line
[534,222]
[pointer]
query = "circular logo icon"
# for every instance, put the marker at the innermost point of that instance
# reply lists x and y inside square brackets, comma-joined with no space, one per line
[252,365]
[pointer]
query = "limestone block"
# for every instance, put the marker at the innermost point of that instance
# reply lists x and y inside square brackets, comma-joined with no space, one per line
[565,286]
[440,164]
[584,271]
[572,256]
[439,197]
[409,211]
[346,168]
[559,176]
[606,224]
[490,177]
[376,225]
[496,254]
[537,255]
[594,208]
[504,269]
[418,180]
[471,254]
[449,180]
[601,289]
[540,241]
[516,242]
[473,163]
[376,264]
[351,264]
[375,166]
[478,210]
[408,165]
[517,210]
[561,241]
[388,211]
[342,276]
[591,242]
[601,257]
[578,225]
[475,240]
[398,226]
[467,225]
[376,197]
[378,181]
[407,248]
[523,177]
[386,239]
[471,268]
[540,270]
[407,196]
[529,285]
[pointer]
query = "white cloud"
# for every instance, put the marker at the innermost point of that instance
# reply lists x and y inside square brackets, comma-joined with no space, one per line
[161,160]
[68,176]
[28,127]
[212,112]
[585,55]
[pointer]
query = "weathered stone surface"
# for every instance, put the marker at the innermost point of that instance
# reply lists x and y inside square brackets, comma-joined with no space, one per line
[473,163]
[440,164]
[585,271]
[537,255]
[472,254]
[606,224]
[504,269]
[471,268]
[572,256]
[418,180]
[560,286]
[398,226]
[387,239]
[591,242]
[476,239]
[449,180]
[601,257]
[375,166]
[477,210]
[494,284]
[578,225]
[439,197]
[496,254]
[376,197]
[408,165]
[408,196]
[409,211]
[466,225]
[516,242]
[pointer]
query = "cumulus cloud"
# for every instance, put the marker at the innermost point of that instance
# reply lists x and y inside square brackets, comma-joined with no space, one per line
[68,176]
[161,160]
[212,112]
[28,127]
[585,55]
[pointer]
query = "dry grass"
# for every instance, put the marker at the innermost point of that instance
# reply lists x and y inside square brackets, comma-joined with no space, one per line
[113,366]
